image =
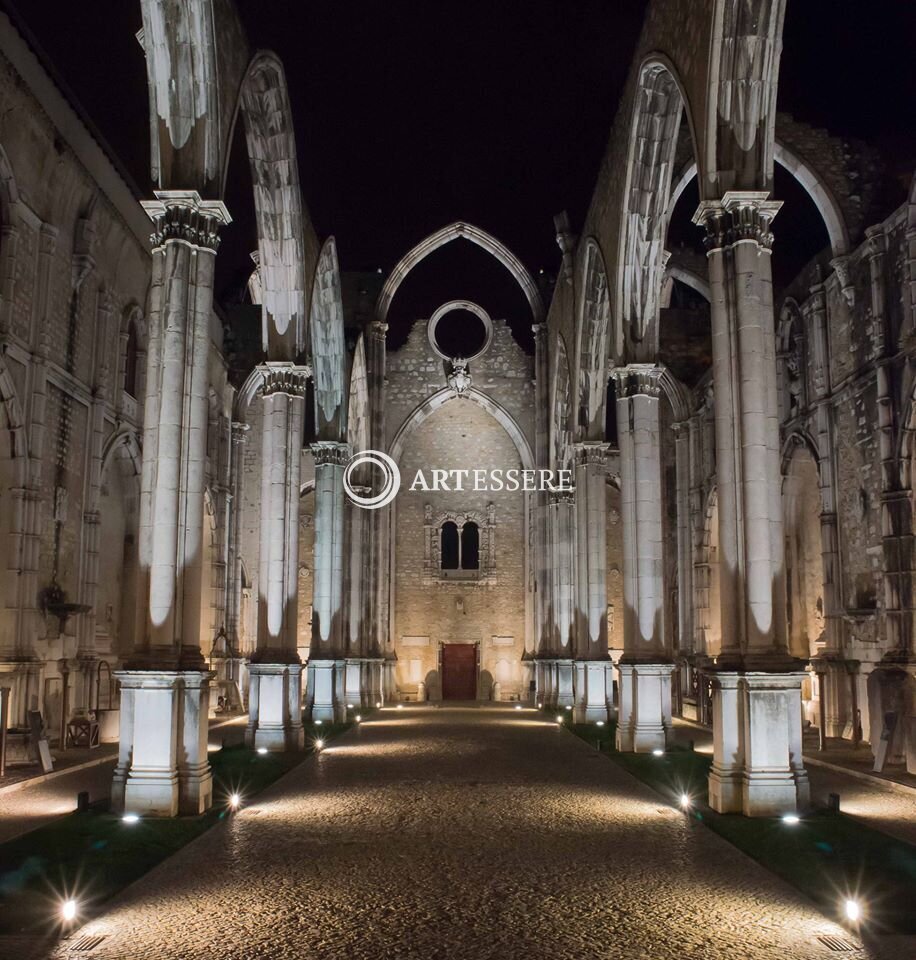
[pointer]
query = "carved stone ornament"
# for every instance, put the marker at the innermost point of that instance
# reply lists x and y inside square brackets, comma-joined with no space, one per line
[460,378]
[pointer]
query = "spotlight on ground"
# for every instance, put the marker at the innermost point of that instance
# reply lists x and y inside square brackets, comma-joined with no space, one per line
[658,752]
[568,707]
[318,723]
[518,706]
[235,801]
[853,911]
[685,801]
[130,818]
[349,706]
[790,819]
[358,718]
[559,718]
[540,705]
[378,704]
[599,723]
[319,745]
[400,706]
[68,911]
[262,750]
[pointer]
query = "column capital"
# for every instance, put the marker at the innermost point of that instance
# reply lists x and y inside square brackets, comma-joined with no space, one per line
[556,498]
[740,215]
[280,377]
[591,451]
[378,329]
[183,215]
[330,452]
[239,431]
[638,379]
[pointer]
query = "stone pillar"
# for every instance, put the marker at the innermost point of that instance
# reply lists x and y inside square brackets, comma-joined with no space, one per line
[275,707]
[562,532]
[645,668]
[592,661]
[163,768]
[327,656]
[757,765]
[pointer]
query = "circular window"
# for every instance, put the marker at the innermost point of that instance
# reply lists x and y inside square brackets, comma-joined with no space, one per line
[460,329]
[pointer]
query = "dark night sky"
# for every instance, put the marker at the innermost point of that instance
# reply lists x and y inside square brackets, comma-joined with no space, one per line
[410,115]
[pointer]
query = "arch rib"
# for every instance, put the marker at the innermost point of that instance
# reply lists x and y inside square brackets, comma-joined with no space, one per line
[456,231]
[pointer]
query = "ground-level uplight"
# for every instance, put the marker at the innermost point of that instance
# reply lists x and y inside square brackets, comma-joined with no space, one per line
[235,801]
[318,723]
[568,707]
[658,752]
[518,706]
[319,745]
[68,910]
[685,801]
[540,705]
[130,818]
[853,911]
[400,706]
[559,718]
[349,706]
[358,718]
[791,819]
[599,723]
[378,704]
[262,750]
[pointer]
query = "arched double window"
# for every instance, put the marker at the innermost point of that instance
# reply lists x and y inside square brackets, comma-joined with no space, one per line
[459,550]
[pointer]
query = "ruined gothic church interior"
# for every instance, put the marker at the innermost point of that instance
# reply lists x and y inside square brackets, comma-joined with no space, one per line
[685,293]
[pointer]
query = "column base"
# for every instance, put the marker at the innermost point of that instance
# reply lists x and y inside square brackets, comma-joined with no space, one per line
[275,707]
[163,770]
[327,680]
[644,717]
[564,685]
[757,765]
[593,681]
[362,686]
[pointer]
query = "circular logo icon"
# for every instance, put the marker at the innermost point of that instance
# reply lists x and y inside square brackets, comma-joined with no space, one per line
[389,488]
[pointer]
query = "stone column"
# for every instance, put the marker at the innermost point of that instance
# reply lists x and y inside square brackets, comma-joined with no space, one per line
[358,682]
[645,668]
[562,533]
[275,670]
[327,655]
[592,661]
[163,768]
[757,764]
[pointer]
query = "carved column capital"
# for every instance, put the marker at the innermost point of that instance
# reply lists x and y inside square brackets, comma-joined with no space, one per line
[739,216]
[378,329]
[239,431]
[330,452]
[638,379]
[286,378]
[591,451]
[183,215]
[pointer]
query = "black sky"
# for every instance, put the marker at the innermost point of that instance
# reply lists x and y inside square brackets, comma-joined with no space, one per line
[410,115]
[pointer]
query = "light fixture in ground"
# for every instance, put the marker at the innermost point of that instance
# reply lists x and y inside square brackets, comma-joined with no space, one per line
[235,801]
[378,704]
[130,818]
[518,706]
[262,750]
[685,801]
[568,707]
[318,723]
[658,752]
[319,745]
[559,718]
[791,819]
[599,723]
[853,911]
[358,718]
[540,705]
[68,910]
[400,706]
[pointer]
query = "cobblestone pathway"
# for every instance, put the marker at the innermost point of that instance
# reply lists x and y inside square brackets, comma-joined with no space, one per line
[461,833]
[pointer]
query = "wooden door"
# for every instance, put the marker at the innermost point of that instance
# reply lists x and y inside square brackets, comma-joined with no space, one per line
[459,671]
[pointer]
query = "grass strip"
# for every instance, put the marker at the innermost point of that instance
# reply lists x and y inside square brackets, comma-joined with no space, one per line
[828,857]
[92,855]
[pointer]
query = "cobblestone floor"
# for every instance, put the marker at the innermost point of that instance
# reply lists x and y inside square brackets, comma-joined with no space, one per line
[461,833]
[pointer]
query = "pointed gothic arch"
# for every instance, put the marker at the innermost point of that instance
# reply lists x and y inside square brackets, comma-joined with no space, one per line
[326,325]
[463,231]
[593,333]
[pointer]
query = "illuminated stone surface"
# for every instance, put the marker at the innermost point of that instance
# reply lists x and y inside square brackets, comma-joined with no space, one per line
[461,833]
